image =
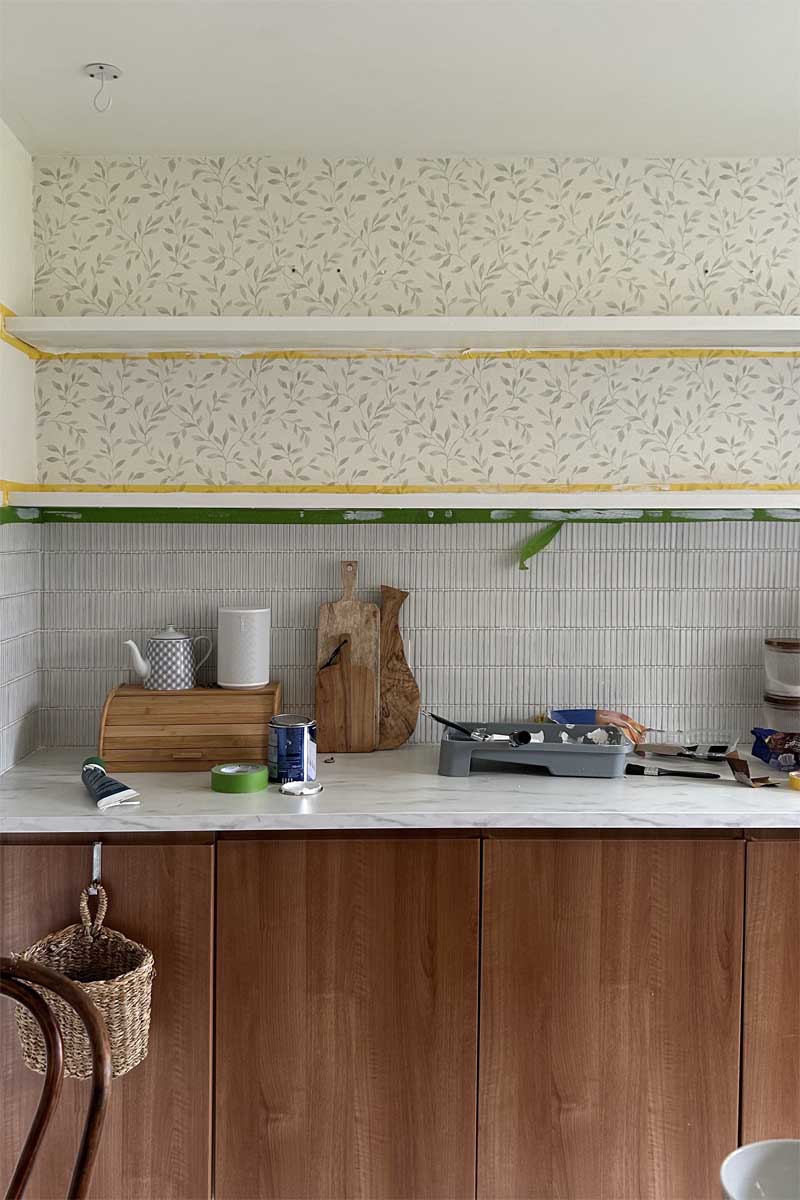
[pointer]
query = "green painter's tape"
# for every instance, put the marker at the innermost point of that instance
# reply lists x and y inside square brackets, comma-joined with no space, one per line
[538,542]
[239,777]
[11,515]
[388,516]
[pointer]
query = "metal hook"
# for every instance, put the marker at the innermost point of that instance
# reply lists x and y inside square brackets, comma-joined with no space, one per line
[103,72]
[97,867]
[97,107]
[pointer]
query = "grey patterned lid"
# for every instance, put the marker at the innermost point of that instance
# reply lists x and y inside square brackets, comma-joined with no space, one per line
[170,634]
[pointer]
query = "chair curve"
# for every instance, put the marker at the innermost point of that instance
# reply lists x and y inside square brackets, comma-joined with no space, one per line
[18,980]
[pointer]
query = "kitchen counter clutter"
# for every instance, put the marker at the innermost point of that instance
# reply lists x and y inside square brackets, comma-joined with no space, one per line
[390,790]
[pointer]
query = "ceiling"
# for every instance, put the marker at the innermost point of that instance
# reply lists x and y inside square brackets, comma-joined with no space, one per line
[357,77]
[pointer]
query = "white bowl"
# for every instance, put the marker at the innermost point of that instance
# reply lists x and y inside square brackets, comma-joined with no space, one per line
[782,664]
[763,1171]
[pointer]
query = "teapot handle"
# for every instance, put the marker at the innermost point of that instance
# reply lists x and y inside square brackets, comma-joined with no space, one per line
[202,638]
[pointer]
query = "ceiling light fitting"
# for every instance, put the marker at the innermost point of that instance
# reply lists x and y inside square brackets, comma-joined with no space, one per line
[105,72]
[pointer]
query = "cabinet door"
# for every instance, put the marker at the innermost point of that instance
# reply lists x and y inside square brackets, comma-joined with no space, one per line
[609,1058]
[156,1139]
[347,980]
[771,1044]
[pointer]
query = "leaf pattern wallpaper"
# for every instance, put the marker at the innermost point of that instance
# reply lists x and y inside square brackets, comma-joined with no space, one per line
[386,421]
[532,236]
[247,236]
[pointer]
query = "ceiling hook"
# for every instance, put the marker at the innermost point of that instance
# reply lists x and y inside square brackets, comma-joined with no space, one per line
[103,72]
[101,108]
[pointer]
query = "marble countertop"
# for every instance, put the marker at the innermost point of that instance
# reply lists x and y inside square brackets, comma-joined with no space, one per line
[391,790]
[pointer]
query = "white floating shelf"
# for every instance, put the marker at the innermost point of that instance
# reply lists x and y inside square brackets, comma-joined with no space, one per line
[369,505]
[422,335]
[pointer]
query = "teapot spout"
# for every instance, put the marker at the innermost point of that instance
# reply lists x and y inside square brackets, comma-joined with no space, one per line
[140,665]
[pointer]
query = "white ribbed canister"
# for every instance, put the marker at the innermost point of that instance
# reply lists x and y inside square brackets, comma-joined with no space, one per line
[243,647]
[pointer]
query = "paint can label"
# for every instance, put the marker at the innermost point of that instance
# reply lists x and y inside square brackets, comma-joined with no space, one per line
[292,749]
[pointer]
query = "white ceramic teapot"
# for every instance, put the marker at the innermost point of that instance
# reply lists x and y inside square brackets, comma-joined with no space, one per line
[169,665]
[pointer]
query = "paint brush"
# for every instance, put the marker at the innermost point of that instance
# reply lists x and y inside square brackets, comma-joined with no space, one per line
[645,769]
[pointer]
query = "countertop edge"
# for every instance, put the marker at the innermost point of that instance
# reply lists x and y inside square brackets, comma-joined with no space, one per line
[408,822]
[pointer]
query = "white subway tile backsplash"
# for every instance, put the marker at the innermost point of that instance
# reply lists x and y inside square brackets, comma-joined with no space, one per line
[20,615]
[20,571]
[20,536]
[19,739]
[666,620]
[70,726]
[20,640]
[19,698]
[20,655]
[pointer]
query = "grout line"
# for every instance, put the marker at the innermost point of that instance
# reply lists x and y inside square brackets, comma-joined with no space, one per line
[17,678]
[441,630]
[483,665]
[290,552]
[20,720]
[20,595]
[557,589]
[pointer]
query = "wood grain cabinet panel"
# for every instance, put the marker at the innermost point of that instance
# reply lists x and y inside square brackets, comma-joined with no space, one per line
[771,1042]
[347,976]
[157,1137]
[610,1016]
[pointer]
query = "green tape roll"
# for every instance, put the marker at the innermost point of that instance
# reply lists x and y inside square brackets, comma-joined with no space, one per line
[239,777]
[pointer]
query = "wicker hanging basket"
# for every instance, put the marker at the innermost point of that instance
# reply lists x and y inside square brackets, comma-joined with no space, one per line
[115,972]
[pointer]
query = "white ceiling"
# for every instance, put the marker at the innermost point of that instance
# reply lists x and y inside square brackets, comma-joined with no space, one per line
[351,77]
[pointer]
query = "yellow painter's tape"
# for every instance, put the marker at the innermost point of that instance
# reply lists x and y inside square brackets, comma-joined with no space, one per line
[380,489]
[15,342]
[401,355]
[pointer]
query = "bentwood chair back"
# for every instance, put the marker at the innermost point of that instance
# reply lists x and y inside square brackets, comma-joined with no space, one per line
[19,980]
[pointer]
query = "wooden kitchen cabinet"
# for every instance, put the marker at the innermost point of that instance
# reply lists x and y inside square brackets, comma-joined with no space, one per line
[610,1010]
[157,1138]
[771,1032]
[347,982]
[347,974]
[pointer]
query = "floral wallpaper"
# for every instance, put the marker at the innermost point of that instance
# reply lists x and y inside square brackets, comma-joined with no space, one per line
[382,421]
[259,235]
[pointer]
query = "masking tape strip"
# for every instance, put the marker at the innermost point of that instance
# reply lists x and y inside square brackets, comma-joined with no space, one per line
[357,489]
[402,355]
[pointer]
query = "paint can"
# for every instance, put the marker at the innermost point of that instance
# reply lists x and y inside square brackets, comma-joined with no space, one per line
[292,748]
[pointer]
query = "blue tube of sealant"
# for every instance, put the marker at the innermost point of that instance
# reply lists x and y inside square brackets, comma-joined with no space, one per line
[104,790]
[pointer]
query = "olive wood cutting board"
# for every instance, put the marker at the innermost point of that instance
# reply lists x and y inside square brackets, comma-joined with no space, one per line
[399,688]
[347,700]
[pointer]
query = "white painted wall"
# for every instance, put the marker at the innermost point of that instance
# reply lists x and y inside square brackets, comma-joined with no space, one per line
[17,410]
[16,228]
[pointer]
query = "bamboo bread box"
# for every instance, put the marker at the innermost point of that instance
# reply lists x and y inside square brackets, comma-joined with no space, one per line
[191,730]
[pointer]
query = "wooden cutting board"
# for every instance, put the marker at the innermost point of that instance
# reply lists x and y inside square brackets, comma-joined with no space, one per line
[191,730]
[399,689]
[347,704]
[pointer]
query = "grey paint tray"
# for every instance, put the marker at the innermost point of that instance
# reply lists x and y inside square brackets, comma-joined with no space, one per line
[458,754]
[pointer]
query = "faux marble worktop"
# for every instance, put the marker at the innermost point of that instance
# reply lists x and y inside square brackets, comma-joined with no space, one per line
[390,790]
